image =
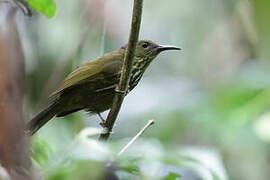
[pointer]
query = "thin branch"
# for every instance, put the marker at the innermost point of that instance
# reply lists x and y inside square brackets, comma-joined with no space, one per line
[126,69]
[23,6]
[149,123]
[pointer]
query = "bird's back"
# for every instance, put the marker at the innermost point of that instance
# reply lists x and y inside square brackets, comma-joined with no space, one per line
[93,71]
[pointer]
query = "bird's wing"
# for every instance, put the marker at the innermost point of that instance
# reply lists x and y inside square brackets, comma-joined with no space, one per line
[98,69]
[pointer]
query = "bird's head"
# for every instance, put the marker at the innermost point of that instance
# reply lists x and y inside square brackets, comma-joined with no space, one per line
[149,49]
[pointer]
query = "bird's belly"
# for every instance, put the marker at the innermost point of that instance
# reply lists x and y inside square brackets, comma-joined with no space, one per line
[84,98]
[99,102]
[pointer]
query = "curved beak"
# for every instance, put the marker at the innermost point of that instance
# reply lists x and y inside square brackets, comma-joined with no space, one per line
[161,48]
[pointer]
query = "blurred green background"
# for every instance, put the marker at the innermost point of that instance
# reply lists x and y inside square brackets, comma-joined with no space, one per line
[210,101]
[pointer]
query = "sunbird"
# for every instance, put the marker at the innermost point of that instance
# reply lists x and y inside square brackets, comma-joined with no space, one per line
[91,86]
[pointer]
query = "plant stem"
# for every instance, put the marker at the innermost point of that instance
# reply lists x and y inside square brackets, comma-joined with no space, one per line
[126,69]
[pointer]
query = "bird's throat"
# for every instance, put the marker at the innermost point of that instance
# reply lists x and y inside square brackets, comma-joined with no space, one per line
[137,71]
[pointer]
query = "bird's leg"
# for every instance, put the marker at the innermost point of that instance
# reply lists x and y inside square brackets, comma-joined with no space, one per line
[102,123]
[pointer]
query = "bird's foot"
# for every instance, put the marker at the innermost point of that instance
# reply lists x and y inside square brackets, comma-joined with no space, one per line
[105,130]
[102,123]
[119,91]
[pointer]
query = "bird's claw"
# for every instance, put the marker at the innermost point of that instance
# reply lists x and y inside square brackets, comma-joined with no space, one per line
[102,124]
[105,129]
[119,91]
[102,120]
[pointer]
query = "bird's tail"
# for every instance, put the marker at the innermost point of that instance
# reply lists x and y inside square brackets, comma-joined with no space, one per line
[41,118]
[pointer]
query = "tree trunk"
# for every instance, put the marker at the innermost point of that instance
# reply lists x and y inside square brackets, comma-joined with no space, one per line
[13,152]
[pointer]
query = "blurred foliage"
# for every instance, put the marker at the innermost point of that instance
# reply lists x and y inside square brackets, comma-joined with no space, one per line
[171,176]
[210,102]
[86,158]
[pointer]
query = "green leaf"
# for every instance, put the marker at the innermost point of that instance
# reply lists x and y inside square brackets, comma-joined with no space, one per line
[171,176]
[41,151]
[46,7]
[130,168]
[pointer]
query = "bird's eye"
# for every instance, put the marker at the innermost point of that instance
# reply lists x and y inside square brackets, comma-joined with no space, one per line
[145,44]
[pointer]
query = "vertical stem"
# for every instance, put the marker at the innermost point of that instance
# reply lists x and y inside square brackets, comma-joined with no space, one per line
[126,69]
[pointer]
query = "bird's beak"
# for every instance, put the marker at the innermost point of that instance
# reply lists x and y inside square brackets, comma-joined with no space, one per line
[161,48]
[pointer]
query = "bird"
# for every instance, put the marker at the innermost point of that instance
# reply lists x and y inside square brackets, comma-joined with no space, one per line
[91,86]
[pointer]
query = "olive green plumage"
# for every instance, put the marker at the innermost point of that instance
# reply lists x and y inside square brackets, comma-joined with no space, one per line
[91,86]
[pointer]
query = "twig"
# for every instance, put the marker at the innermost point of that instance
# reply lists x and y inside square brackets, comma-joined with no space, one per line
[23,6]
[126,69]
[149,123]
